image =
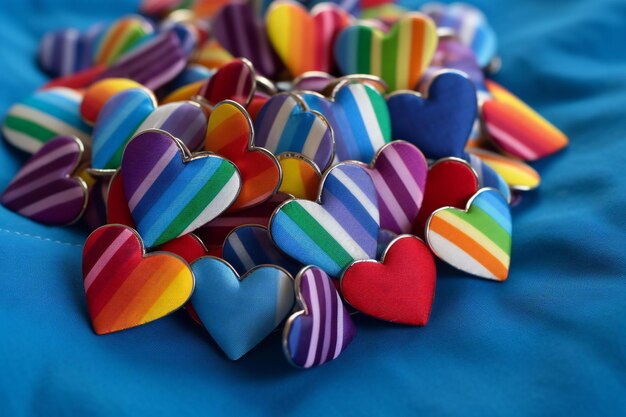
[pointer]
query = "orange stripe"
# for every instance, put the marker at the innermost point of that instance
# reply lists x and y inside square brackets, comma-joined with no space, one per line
[111,41]
[468,245]
[233,130]
[418,28]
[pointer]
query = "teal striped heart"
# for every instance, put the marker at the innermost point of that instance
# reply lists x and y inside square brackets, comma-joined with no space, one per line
[169,193]
[43,116]
[340,228]
[358,116]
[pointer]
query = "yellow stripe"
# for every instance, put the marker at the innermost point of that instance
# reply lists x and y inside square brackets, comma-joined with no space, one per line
[376,51]
[402,61]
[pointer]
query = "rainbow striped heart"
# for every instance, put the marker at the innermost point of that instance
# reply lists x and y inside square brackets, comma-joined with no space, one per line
[239,312]
[340,228]
[322,329]
[250,246]
[126,288]
[399,57]
[170,193]
[477,240]
[284,125]
[359,117]
[399,172]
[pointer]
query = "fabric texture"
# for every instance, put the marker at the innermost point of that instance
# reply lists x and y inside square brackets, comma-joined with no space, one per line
[551,340]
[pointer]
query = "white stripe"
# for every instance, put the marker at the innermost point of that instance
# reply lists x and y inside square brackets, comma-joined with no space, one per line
[284,297]
[46,50]
[21,140]
[68,51]
[368,115]
[106,256]
[456,256]
[371,209]
[391,202]
[56,154]
[34,185]
[327,321]
[154,173]
[314,138]
[241,252]
[157,117]
[340,314]
[50,122]
[502,136]
[280,121]
[404,173]
[314,314]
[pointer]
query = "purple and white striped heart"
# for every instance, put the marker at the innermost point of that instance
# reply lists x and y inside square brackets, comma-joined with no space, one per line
[399,172]
[323,329]
[44,190]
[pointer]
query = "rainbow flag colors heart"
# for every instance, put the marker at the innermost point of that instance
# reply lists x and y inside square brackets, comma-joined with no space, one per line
[340,228]
[478,240]
[399,57]
[170,193]
[126,288]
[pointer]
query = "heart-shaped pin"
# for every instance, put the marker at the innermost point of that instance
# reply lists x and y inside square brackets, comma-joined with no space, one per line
[117,122]
[171,193]
[212,55]
[517,129]
[233,81]
[230,134]
[303,41]
[45,189]
[116,204]
[185,120]
[99,93]
[284,125]
[240,311]
[358,115]
[518,175]
[440,124]
[192,74]
[399,289]
[238,29]
[487,177]
[399,57]
[450,182]
[124,286]
[399,172]
[189,247]
[120,37]
[214,233]
[43,116]
[338,229]
[323,329]
[67,51]
[301,176]
[477,240]
[249,246]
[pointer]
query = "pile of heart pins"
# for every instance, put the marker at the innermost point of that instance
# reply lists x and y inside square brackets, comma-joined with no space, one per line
[270,166]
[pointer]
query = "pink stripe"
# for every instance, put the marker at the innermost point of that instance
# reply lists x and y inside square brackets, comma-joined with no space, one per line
[106,257]
[18,192]
[46,160]
[340,318]
[511,142]
[389,200]
[54,200]
[315,311]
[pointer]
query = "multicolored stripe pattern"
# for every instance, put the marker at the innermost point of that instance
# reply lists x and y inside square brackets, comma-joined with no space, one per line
[230,135]
[238,29]
[284,125]
[399,173]
[117,122]
[233,81]
[487,176]
[250,246]
[125,288]
[67,51]
[43,116]
[99,93]
[518,129]
[239,312]
[122,36]
[339,230]
[153,63]
[518,175]
[212,55]
[440,124]
[399,57]
[170,194]
[477,241]
[359,118]
[301,177]
[324,329]
[303,41]
[184,120]
[214,233]
[43,190]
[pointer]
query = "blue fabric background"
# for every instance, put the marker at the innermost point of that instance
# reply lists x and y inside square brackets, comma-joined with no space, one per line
[549,341]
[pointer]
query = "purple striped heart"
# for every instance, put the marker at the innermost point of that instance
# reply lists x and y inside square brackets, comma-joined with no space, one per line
[184,120]
[44,190]
[237,28]
[323,328]
[399,172]
[67,51]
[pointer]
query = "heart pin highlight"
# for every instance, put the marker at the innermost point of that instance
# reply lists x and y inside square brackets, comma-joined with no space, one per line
[323,329]
[399,289]
[240,311]
[47,188]
[303,41]
[477,240]
[440,124]
[230,134]
[124,286]
[399,57]
[338,229]
[169,192]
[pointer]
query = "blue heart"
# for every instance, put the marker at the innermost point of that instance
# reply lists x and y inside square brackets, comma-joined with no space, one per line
[240,312]
[441,124]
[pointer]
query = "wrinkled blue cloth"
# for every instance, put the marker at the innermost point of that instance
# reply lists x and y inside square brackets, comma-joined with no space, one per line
[551,340]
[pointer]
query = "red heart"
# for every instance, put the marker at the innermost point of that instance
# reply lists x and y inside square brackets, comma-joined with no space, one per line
[189,247]
[117,207]
[451,182]
[400,289]
[233,81]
